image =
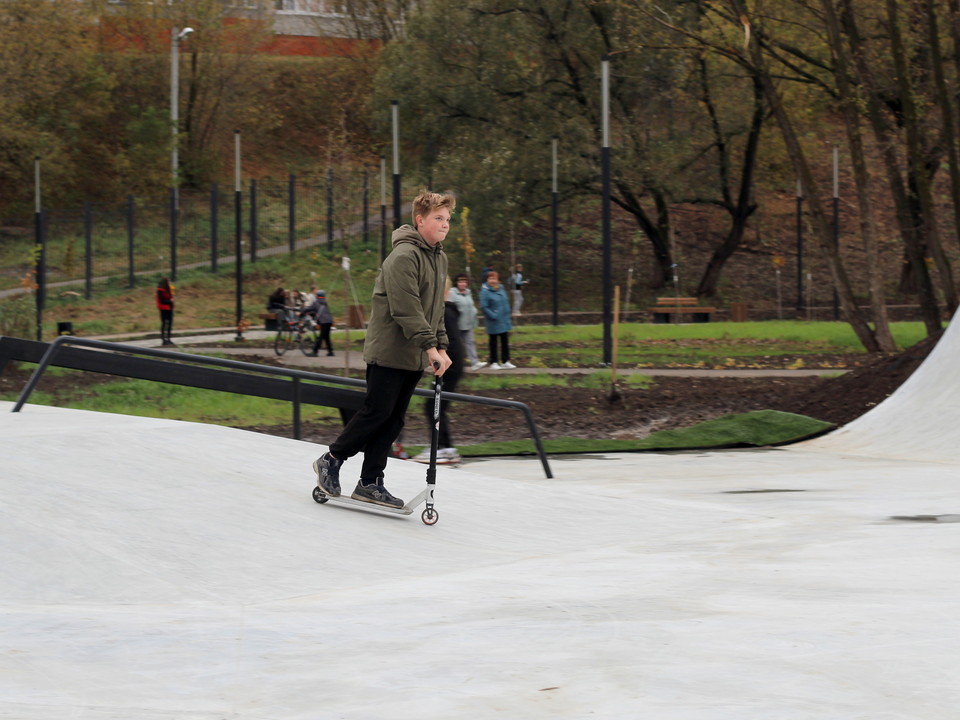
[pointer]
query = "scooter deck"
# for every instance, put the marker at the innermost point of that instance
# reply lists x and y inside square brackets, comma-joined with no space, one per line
[321,497]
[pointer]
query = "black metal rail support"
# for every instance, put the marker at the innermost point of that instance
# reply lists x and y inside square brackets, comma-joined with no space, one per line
[214,226]
[88,250]
[296,377]
[131,234]
[173,233]
[292,212]
[254,220]
[329,208]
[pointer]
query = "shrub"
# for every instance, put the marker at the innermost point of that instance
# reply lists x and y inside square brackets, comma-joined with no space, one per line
[18,315]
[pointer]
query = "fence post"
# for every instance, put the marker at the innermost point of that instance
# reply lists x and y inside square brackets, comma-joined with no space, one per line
[329,208]
[292,212]
[88,249]
[40,266]
[366,202]
[383,207]
[214,226]
[173,234]
[238,236]
[131,278]
[253,220]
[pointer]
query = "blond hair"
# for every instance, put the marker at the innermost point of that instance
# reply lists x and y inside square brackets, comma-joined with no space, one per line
[426,202]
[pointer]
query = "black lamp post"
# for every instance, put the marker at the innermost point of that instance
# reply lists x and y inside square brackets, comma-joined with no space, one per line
[395,115]
[238,236]
[605,173]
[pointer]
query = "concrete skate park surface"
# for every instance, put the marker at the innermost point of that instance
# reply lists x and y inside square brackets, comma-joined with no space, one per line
[156,569]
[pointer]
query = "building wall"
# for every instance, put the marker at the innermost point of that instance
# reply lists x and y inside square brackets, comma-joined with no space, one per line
[310,28]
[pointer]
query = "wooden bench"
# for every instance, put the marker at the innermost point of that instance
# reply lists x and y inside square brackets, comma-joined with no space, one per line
[269,320]
[686,310]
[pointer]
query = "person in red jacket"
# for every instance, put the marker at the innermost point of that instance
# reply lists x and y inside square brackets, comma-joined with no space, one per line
[165,305]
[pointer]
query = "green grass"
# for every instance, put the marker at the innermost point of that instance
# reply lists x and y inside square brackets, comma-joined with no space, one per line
[753,429]
[695,345]
[707,345]
[161,400]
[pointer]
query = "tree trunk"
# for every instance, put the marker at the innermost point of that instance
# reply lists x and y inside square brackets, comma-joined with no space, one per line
[723,252]
[741,210]
[916,159]
[868,231]
[946,103]
[658,233]
[913,244]
[822,230]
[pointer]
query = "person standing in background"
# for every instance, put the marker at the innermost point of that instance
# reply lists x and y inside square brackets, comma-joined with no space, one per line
[321,314]
[460,296]
[518,283]
[165,304]
[446,453]
[496,315]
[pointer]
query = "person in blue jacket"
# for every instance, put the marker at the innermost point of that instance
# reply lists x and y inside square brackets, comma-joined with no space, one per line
[496,313]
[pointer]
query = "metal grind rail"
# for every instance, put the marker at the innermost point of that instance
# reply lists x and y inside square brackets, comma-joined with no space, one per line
[16,349]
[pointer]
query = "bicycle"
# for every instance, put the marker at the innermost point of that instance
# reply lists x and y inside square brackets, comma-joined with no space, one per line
[288,331]
[308,335]
[296,331]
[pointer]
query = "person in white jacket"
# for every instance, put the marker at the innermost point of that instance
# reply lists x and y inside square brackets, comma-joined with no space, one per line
[460,294]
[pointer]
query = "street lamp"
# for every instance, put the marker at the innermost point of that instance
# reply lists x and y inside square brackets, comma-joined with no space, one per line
[176,37]
[605,210]
[395,122]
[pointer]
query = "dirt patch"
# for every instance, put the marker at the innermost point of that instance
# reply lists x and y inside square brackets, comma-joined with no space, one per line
[671,402]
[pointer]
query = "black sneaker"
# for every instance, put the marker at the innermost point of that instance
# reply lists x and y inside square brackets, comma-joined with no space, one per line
[376,494]
[327,468]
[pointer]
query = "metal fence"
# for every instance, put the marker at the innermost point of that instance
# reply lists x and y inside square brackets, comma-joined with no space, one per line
[199,229]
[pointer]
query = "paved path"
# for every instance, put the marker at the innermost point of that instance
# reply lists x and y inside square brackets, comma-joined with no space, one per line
[197,341]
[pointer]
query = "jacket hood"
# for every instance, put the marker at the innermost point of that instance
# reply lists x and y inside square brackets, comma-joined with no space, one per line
[409,234]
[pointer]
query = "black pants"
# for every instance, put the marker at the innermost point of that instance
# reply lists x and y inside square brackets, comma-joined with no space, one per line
[166,324]
[450,379]
[504,347]
[323,337]
[379,421]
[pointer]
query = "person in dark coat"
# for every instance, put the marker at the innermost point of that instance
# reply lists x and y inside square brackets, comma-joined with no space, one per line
[446,453]
[165,305]
[405,335]
[320,312]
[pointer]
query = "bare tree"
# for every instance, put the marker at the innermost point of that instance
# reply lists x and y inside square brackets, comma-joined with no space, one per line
[754,54]
[868,226]
[885,139]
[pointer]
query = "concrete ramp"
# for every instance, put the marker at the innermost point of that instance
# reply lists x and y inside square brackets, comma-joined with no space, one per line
[919,421]
[163,570]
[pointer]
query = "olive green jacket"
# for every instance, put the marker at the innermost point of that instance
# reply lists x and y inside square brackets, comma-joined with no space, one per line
[406,318]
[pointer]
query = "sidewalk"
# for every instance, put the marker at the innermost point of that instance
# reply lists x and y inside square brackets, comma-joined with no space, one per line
[195,341]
